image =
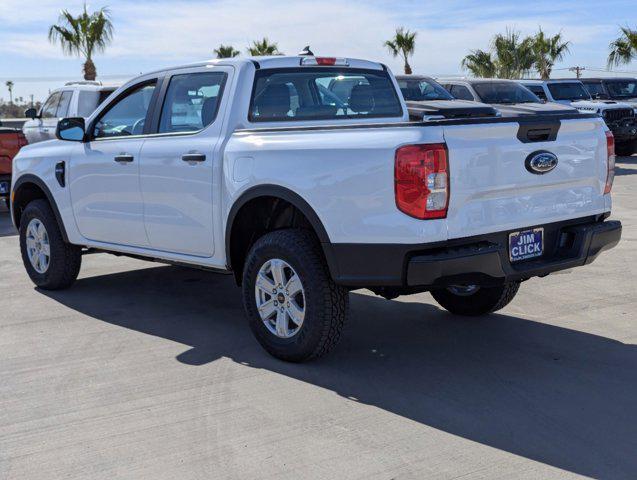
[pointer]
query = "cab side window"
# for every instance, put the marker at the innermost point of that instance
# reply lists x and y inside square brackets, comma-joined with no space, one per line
[126,115]
[192,101]
[49,108]
[63,106]
[461,92]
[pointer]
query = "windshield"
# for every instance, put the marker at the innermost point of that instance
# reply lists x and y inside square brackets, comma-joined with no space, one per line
[504,92]
[568,91]
[596,90]
[622,88]
[422,89]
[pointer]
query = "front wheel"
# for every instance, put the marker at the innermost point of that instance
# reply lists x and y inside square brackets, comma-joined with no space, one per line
[294,308]
[52,264]
[474,300]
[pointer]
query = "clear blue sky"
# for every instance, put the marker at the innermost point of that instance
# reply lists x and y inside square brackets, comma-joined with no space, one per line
[157,33]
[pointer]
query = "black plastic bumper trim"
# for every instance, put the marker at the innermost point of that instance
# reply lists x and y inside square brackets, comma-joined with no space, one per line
[482,259]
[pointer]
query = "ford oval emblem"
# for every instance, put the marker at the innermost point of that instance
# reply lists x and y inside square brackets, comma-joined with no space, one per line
[540,162]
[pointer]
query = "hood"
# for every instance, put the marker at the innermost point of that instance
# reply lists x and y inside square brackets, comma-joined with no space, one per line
[449,109]
[601,104]
[509,110]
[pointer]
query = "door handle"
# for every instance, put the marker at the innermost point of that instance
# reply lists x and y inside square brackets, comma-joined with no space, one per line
[193,157]
[124,158]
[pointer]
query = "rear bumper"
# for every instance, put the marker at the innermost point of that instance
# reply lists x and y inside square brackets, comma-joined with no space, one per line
[480,260]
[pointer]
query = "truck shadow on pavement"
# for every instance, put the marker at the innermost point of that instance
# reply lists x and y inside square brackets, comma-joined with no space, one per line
[554,395]
[622,163]
[6,227]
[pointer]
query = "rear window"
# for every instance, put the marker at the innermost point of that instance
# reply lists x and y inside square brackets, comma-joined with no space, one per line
[568,91]
[322,94]
[89,100]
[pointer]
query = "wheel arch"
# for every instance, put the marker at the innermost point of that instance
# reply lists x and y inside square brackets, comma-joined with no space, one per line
[28,188]
[274,192]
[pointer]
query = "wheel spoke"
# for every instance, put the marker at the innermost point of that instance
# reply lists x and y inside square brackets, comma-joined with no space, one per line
[294,285]
[42,260]
[276,267]
[267,309]
[296,313]
[31,231]
[281,323]
[46,249]
[41,231]
[264,283]
[30,243]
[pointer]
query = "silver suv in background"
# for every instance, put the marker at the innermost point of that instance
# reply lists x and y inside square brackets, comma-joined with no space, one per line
[509,97]
[75,99]
[619,116]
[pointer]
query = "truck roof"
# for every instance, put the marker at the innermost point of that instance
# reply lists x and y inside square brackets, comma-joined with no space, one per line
[274,61]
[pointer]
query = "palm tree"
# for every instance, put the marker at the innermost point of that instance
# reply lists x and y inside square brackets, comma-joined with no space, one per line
[226,51]
[9,85]
[403,44]
[511,56]
[480,64]
[547,51]
[514,54]
[624,48]
[263,47]
[83,36]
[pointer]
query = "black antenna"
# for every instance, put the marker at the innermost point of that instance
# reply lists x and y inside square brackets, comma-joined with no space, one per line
[306,52]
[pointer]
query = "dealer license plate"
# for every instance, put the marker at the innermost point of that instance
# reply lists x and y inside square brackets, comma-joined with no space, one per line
[526,244]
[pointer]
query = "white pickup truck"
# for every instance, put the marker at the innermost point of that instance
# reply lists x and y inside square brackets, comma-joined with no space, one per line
[254,167]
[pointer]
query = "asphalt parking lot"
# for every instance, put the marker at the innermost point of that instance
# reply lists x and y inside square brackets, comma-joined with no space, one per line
[147,371]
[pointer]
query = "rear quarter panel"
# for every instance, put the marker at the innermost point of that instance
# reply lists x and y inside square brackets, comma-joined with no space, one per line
[345,175]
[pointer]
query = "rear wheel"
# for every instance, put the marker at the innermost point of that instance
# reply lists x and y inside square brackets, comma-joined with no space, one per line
[474,300]
[294,308]
[51,263]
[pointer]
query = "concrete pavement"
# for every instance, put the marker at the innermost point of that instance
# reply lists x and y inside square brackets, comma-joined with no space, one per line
[146,371]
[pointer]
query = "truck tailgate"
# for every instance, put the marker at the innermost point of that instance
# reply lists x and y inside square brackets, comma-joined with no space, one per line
[490,184]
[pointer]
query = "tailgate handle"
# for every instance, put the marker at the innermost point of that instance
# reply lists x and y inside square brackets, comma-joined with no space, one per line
[538,132]
[538,135]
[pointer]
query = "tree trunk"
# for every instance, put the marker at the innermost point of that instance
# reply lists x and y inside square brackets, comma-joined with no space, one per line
[89,70]
[407,68]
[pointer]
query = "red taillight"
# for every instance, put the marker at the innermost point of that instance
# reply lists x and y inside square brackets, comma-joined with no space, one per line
[421,180]
[324,61]
[610,152]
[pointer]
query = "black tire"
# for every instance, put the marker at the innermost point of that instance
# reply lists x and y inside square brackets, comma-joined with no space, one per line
[482,301]
[626,149]
[325,303]
[65,259]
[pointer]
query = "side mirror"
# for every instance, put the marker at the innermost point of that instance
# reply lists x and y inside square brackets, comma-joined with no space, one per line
[71,129]
[31,113]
